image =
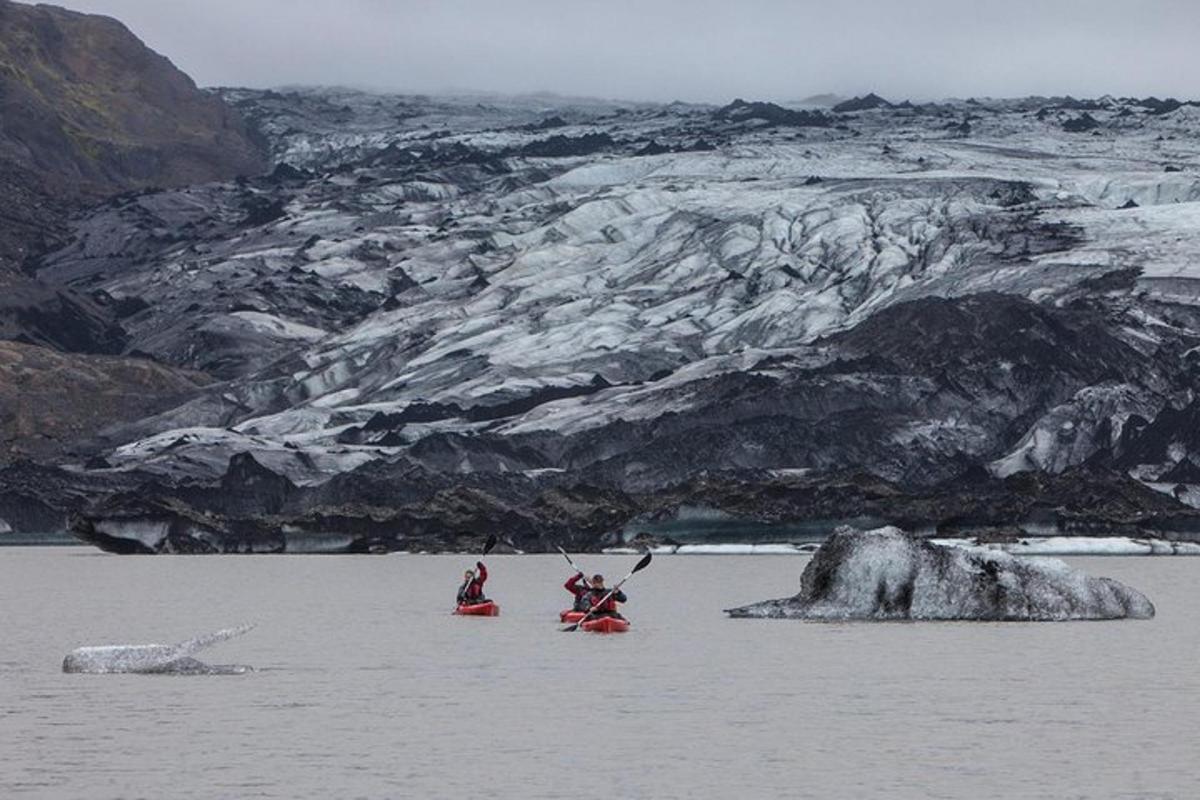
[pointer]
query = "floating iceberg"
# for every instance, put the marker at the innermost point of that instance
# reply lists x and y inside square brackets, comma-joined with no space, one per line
[154,659]
[887,574]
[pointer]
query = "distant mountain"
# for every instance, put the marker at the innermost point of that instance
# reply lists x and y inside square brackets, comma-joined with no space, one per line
[770,113]
[94,111]
[88,111]
[868,102]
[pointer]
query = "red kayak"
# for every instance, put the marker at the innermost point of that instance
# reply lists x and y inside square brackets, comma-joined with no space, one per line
[488,609]
[571,617]
[606,625]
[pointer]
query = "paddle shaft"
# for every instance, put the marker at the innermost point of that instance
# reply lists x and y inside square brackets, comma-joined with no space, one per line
[575,567]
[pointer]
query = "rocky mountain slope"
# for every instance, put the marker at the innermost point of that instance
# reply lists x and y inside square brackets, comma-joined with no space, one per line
[94,110]
[54,401]
[442,314]
[87,112]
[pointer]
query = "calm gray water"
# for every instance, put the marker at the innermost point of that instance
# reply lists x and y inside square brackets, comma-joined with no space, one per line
[369,688]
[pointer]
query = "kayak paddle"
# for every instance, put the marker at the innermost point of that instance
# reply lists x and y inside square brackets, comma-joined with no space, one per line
[641,565]
[578,571]
[487,548]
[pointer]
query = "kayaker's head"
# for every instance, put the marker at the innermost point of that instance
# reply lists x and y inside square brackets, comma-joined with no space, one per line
[469,575]
[598,581]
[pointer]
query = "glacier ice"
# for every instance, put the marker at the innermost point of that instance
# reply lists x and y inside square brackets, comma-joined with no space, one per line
[154,659]
[436,296]
[886,574]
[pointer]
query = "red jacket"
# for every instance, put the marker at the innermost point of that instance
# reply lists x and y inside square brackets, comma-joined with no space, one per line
[472,591]
[580,589]
[595,596]
[576,586]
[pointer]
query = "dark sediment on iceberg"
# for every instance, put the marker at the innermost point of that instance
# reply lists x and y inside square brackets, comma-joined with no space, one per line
[888,575]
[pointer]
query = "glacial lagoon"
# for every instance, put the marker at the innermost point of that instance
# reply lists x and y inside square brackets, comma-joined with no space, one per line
[365,685]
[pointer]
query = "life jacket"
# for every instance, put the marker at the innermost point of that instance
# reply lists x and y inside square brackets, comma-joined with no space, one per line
[602,603]
[472,591]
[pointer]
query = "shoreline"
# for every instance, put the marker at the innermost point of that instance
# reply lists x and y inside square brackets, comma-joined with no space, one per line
[1058,546]
[1027,546]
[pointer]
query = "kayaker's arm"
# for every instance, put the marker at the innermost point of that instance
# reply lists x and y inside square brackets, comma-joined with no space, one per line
[620,597]
[572,585]
[481,574]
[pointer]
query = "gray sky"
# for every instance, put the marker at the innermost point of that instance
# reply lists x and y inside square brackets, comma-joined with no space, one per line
[701,50]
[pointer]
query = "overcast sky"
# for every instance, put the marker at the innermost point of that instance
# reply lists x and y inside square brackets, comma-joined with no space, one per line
[703,50]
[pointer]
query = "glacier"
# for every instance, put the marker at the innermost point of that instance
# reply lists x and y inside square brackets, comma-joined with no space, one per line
[513,297]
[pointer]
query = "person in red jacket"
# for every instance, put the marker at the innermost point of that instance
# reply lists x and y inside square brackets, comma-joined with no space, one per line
[471,591]
[581,589]
[594,596]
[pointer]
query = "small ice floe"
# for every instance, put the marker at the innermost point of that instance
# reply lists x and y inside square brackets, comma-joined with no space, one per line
[154,659]
[1029,546]
[806,548]
[1083,546]
[887,574]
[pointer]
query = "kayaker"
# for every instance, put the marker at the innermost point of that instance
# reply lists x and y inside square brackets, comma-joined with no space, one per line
[599,602]
[579,587]
[471,591]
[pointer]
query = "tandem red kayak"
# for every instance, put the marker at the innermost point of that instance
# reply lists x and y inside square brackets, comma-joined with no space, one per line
[488,609]
[606,625]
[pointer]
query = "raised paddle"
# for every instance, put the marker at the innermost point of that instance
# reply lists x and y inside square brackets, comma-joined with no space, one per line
[487,548]
[641,565]
[578,571]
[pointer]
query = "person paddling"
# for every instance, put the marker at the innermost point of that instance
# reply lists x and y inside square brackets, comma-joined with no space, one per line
[578,586]
[471,591]
[595,597]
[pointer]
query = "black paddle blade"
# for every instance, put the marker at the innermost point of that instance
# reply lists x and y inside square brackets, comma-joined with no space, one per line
[645,562]
[489,544]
